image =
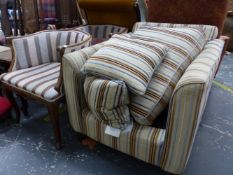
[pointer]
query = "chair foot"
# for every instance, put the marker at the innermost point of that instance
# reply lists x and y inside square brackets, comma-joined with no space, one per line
[24,106]
[53,110]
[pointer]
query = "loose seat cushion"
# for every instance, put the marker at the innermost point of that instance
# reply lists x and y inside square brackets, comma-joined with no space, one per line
[130,60]
[108,101]
[211,32]
[5,54]
[39,80]
[184,45]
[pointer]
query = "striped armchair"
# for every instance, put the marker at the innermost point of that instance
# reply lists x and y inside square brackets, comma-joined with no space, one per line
[169,147]
[36,69]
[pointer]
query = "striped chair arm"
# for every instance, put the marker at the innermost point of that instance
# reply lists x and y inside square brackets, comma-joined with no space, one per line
[187,106]
[72,64]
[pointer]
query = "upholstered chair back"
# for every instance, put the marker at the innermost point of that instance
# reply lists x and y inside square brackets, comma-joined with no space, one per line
[102,31]
[41,48]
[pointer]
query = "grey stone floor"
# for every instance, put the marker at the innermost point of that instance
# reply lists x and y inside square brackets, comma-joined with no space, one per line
[28,149]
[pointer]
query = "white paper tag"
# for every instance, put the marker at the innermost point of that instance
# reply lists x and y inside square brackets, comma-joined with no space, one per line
[115,132]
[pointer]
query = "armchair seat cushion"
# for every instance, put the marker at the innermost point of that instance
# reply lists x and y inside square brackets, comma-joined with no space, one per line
[184,45]
[130,60]
[108,101]
[39,80]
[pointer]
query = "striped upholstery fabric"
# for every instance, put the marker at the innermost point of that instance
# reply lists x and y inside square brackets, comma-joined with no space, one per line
[130,60]
[211,32]
[39,80]
[102,33]
[41,48]
[184,45]
[108,100]
[187,106]
[143,142]
[73,83]
[5,54]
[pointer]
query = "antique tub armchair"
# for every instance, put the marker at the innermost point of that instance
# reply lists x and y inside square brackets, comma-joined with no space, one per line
[167,146]
[35,70]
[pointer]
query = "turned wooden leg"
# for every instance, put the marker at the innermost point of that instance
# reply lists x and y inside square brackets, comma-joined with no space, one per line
[24,106]
[10,96]
[53,110]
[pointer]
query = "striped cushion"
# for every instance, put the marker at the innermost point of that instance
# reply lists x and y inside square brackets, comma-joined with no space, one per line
[143,142]
[184,44]
[102,33]
[130,60]
[39,80]
[211,32]
[41,48]
[108,101]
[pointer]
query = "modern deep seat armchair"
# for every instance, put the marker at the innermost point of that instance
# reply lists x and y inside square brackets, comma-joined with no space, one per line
[167,146]
[35,71]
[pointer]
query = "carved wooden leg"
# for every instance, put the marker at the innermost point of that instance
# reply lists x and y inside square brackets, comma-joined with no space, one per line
[9,95]
[24,106]
[53,109]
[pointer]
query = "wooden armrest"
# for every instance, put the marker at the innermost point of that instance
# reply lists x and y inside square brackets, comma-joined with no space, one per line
[224,38]
[61,50]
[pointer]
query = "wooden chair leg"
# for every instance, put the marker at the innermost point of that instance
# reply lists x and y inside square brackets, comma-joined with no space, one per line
[53,110]
[24,106]
[10,96]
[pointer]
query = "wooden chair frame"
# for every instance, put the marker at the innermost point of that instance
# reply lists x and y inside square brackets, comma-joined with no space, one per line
[52,105]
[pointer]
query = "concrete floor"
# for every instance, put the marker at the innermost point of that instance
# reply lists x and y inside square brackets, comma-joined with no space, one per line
[28,149]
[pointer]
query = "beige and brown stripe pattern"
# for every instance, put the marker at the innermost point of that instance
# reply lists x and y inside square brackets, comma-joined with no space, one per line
[211,32]
[145,142]
[187,106]
[41,48]
[142,142]
[184,45]
[130,60]
[39,80]
[108,101]
[72,64]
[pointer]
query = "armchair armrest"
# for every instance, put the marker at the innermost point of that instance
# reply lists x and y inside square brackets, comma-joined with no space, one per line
[226,40]
[187,106]
[67,49]
[72,64]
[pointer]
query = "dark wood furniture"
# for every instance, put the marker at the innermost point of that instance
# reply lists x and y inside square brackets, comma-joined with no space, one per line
[11,25]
